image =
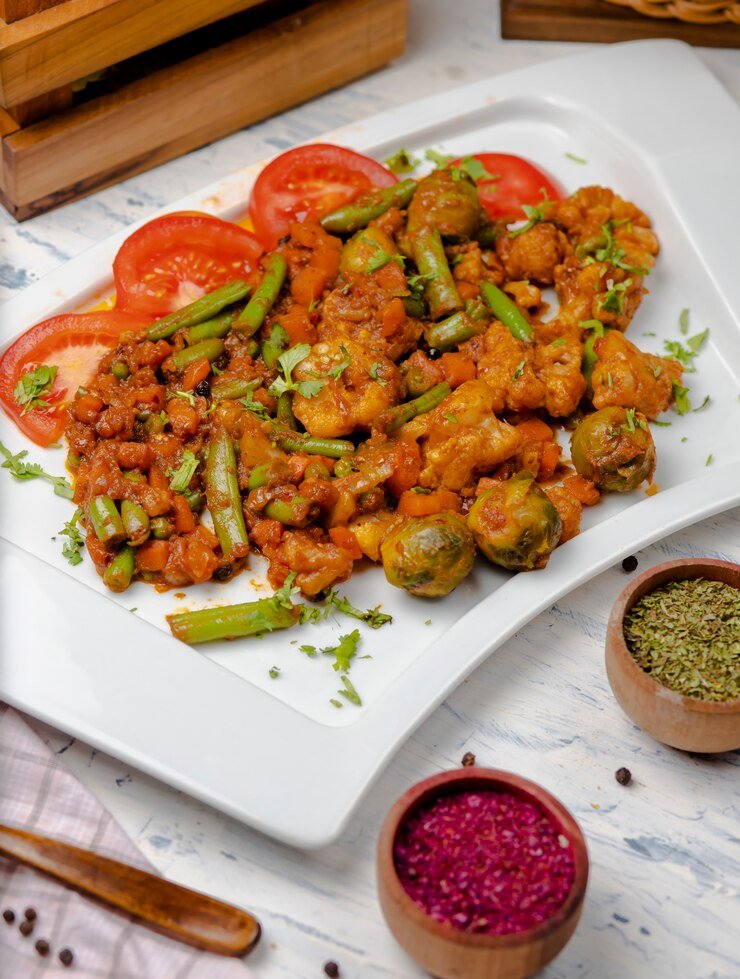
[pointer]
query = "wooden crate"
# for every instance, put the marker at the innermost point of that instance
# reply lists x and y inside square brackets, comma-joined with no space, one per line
[160,103]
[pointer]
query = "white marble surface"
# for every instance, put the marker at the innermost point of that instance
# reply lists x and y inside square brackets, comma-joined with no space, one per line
[663,897]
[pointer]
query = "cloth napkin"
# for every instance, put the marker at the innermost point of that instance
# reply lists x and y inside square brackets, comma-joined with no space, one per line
[37,793]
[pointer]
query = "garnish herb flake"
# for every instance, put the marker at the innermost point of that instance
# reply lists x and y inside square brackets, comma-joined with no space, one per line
[287,362]
[402,162]
[576,159]
[32,470]
[681,398]
[535,213]
[33,387]
[372,616]
[72,548]
[440,160]
[184,473]
[344,652]
[185,395]
[381,257]
[349,692]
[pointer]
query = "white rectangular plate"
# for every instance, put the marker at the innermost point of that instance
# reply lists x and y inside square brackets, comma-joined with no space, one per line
[273,752]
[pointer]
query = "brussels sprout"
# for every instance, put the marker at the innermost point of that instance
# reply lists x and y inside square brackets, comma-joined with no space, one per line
[515,524]
[613,448]
[367,251]
[448,201]
[428,556]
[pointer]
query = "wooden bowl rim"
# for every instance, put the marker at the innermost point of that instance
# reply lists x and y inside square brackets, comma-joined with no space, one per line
[448,783]
[617,644]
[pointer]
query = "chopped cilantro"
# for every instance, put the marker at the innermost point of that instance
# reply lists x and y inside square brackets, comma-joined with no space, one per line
[373,616]
[696,342]
[575,159]
[416,282]
[336,703]
[596,325]
[185,395]
[427,621]
[32,470]
[710,460]
[657,371]
[450,417]
[344,651]
[681,398]
[381,256]
[439,160]
[613,299]
[373,372]
[32,388]
[610,252]
[402,162]
[685,438]
[181,477]
[519,370]
[683,321]
[707,401]
[72,549]
[336,372]
[660,424]
[535,213]
[475,170]
[256,407]
[287,363]
[349,692]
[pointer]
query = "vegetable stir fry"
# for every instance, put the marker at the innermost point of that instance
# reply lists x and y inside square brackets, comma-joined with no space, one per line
[384,383]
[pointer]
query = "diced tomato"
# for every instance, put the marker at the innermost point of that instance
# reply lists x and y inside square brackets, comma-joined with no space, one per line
[343,537]
[307,182]
[515,182]
[175,259]
[74,343]
[195,373]
[457,369]
[423,504]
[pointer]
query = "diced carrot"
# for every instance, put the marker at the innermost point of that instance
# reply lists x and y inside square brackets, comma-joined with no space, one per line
[134,455]
[406,467]
[195,373]
[393,316]
[467,290]
[183,418]
[307,286]
[158,478]
[326,257]
[298,463]
[343,537]
[184,519]
[198,559]
[392,279]
[582,489]
[535,430]
[153,555]
[423,504]
[266,532]
[549,460]
[298,326]
[306,233]
[151,394]
[457,369]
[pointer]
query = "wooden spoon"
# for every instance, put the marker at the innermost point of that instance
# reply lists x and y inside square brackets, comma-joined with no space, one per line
[175,911]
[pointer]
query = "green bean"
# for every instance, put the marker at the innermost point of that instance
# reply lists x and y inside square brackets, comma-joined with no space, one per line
[120,571]
[476,310]
[120,370]
[295,442]
[106,520]
[136,521]
[350,218]
[213,329]
[393,418]
[440,289]
[253,315]
[223,496]
[259,476]
[199,311]
[210,349]
[415,307]
[233,621]
[285,416]
[161,528]
[195,499]
[446,334]
[507,311]
[233,388]
[295,512]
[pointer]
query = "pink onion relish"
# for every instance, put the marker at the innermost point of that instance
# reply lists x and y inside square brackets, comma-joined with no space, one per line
[483,861]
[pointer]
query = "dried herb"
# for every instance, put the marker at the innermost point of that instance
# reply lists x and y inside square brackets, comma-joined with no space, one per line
[686,635]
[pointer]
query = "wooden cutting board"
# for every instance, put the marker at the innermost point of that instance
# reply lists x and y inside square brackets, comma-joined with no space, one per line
[595,20]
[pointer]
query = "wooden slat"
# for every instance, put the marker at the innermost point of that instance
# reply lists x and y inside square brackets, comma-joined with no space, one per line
[594,20]
[79,37]
[42,106]
[12,10]
[202,99]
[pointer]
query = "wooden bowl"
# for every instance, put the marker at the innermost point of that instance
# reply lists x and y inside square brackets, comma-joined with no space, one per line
[668,716]
[443,950]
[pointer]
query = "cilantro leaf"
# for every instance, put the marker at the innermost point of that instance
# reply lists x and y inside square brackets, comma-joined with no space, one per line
[373,616]
[575,159]
[381,257]
[402,162]
[349,692]
[33,386]
[696,342]
[287,362]
[181,476]
[440,160]
[32,470]
[683,321]
[256,407]
[519,370]
[336,372]
[535,213]
[72,548]
[284,595]
[344,651]
[610,251]
[185,395]
[596,325]
[613,299]
[308,650]
[705,403]
[416,283]
[681,398]
[476,171]
[373,372]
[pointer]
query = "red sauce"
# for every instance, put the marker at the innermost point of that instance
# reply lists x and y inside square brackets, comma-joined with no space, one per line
[485,862]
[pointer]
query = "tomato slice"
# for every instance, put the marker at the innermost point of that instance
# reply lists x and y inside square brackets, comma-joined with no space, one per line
[72,342]
[307,182]
[175,259]
[517,182]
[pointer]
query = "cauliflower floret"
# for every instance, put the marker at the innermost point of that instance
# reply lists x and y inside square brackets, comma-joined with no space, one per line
[627,377]
[533,254]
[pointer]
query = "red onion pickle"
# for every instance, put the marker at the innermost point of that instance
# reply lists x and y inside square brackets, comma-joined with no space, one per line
[485,862]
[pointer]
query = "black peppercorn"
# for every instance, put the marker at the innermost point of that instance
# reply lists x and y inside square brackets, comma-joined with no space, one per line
[30,914]
[623,776]
[433,353]
[223,573]
[629,564]
[202,389]
[42,946]
[9,915]
[66,957]
[468,759]
[331,969]
[25,928]
[222,361]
